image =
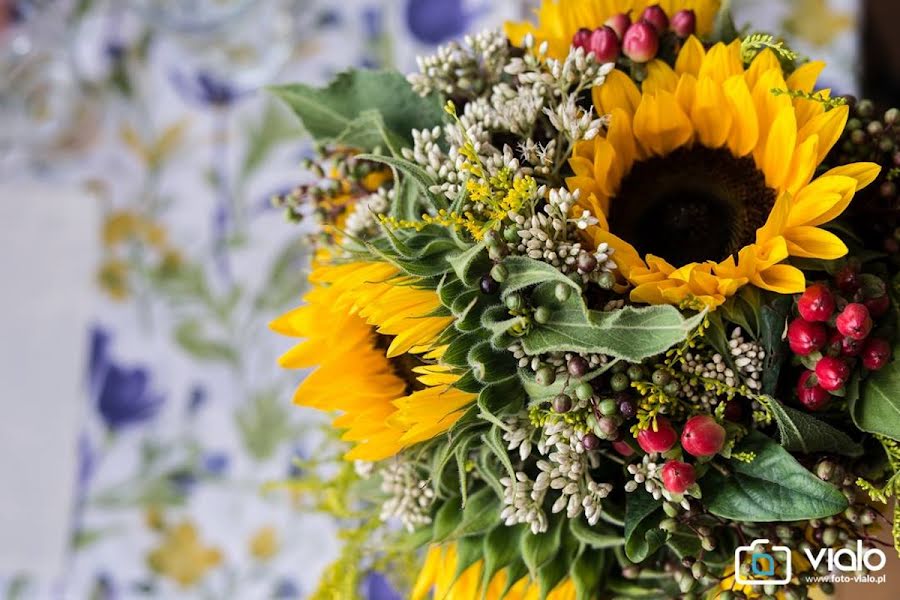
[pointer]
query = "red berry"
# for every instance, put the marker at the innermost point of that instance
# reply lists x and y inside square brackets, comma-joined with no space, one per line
[847,279]
[854,322]
[878,306]
[850,347]
[811,396]
[832,373]
[660,440]
[581,38]
[604,43]
[678,476]
[816,303]
[702,436]
[623,448]
[641,42]
[805,338]
[684,23]
[657,17]
[876,353]
[619,24]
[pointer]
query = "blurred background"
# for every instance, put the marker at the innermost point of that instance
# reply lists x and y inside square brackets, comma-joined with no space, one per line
[145,418]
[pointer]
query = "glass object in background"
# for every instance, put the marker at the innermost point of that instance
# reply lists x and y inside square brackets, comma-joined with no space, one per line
[39,95]
[217,50]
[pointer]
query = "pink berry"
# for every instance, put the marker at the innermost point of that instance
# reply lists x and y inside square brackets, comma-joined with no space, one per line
[657,17]
[619,24]
[604,43]
[734,410]
[816,303]
[702,436]
[660,440]
[641,42]
[805,338]
[878,306]
[678,476]
[581,38]
[832,373]
[854,321]
[684,23]
[876,353]
[847,279]
[623,448]
[811,396]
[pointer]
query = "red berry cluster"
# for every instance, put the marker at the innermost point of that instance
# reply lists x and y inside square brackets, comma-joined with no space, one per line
[833,331]
[639,41]
[701,437]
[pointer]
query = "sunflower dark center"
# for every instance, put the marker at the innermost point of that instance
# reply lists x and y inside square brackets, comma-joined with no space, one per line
[402,365]
[693,205]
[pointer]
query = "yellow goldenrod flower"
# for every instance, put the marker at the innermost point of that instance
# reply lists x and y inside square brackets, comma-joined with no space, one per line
[181,555]
[369,334]
[559,20]
[704,181]
[435,580]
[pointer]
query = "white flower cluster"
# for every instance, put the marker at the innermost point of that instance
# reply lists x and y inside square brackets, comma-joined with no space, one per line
[462,69]
[649,474]
[564,468]
[410,498]
[362,221]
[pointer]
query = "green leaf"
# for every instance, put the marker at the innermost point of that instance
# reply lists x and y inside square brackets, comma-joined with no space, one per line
[773,320]
[524,272]
[632,334]
[501,549]
[878,408]
[407,205]
[598,536]
[539,549]
[369,131]
[489,365]
[773,487]
[464,261]
[587,571]
[447,519]
[802,432]
[684,542]
[642,533]
[328,112]
[468,552]
[415,172]
[555,571]
[481,512]
[264,424]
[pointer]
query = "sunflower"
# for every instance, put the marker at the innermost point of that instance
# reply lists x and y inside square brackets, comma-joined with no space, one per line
[707,172]
[559,21]
[372,338]
[437,576]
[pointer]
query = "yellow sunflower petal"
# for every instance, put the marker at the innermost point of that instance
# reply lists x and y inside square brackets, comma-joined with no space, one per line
[690,59]
[721,62]
[660,125]
[617,91]
[803,165]
[863,172]
[744,131]
[804,77]
[782,279]
[660,76]
[779,150]
[822,200]
[828,126]
[812,242]
[712,120]
[762,62]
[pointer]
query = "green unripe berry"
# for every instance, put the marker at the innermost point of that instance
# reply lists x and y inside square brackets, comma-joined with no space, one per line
[584,391]
[891,116]
[608,407]
[498,252]
[669,525]
[708,543]
[500,272]
[619,382]
[853,124]
[636,373]
[672,388]
[698,570]
[670,509]
[562,292]
[865,108]
[511,234]
[661,377]
[514,302]
[606,280]
[542,315]
[829,536]
[545,375]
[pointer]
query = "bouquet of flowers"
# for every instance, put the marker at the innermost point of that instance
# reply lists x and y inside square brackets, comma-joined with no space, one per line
[605,305]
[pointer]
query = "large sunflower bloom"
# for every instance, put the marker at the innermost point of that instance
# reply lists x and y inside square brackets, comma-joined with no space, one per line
[559,20]
[704,183]
[370,336]
[437,578]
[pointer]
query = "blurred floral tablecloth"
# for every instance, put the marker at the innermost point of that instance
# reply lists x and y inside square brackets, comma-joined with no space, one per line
[156,110]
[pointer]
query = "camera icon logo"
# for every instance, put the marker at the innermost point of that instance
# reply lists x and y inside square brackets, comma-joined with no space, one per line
[768,566]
